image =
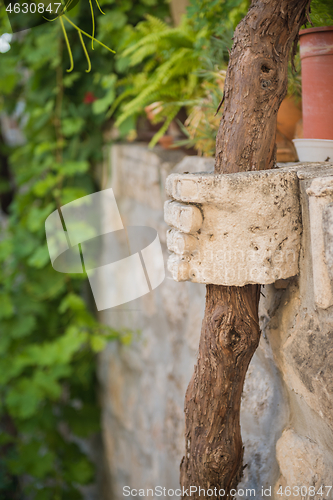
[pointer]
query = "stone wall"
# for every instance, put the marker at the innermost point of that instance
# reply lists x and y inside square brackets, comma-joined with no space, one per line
[301,336]
[286,415]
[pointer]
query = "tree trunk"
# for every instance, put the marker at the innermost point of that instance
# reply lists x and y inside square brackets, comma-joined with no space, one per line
[255,86]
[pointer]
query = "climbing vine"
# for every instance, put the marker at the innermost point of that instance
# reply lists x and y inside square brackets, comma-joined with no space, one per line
[49,332]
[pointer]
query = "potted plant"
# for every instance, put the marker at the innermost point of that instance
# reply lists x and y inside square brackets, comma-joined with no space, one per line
[316,52]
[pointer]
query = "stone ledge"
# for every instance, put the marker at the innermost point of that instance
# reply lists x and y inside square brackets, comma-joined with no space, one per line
[250,230]
[251,226]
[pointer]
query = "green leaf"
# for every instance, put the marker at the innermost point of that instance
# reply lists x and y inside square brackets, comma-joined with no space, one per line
[98,343]
[127,126]
[37,216]
[70,79]
[44,186]
[69,194]
[80,471]
[24,243]
[20,326]
[101,105]
[6,248]
[73,302]
[46,285]
[6,306]
[4,340]
[39,258]
[70,168]
[9,75]
[33,459]
[60,351]
[71,126]
[23,398]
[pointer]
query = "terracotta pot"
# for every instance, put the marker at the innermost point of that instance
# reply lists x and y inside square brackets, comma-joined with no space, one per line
[317,82]
[166,141]
[289,115]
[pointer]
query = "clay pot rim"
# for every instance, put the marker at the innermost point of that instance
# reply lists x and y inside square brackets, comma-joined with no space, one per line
[316,29]
[315,141]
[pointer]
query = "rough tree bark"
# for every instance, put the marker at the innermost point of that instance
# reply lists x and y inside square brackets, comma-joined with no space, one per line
[255,85]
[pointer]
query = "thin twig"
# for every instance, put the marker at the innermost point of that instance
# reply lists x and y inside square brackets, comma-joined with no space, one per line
[220,105]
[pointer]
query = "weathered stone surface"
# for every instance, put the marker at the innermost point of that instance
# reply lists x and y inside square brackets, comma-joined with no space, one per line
[311,339]
[303,464]
[143,384]
[320,196]
[200,164]
[328,238]
[186,218]
[138,173]
[181,243]
[289,382]
[264,414]
[302,343]
[249,230]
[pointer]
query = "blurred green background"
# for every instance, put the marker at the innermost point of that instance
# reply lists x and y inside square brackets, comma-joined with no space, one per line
[54,124]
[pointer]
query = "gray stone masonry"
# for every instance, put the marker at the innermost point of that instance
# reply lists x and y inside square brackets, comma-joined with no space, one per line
[286,413]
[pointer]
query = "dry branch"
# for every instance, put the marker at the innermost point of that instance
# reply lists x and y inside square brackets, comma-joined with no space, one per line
[255,86]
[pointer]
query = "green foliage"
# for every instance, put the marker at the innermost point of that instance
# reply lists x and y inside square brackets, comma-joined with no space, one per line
[49,333]
[322,12]
[171,63]
[218,15]
[295,78]
[202,124]
[167,62]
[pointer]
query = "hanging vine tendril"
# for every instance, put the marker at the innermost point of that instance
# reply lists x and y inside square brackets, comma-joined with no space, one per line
[67,44]
[62,16]
[85,52]
[93,23]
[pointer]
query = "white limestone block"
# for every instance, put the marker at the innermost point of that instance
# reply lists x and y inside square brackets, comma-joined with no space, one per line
[180,243]
[320,197]
[187,218]
[179,267]
[328,238]
[243,228]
